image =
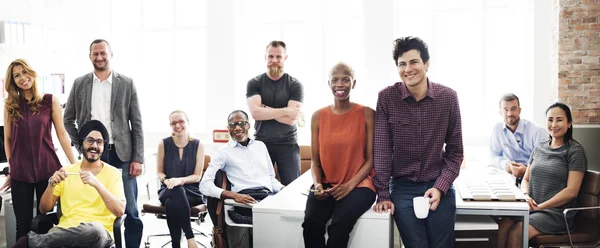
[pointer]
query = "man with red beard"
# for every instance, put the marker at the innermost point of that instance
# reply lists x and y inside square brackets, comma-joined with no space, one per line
[91,197]
[514,139]
[275,102]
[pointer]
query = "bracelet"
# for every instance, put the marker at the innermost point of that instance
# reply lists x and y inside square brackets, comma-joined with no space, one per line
[108,200]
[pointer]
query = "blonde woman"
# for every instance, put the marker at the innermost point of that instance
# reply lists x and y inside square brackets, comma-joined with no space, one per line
[28,120]
[180,160]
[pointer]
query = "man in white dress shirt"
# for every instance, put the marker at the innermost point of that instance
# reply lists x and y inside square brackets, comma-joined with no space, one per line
[245,161]
[248,166]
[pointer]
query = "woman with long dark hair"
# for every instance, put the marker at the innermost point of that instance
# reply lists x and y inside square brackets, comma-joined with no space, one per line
[552,181]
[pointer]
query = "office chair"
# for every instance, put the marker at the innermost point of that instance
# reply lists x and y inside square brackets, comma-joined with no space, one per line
[198,213]
[43,223]
[587,221]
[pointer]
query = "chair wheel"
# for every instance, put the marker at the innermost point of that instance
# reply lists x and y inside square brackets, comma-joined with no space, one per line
[146,244]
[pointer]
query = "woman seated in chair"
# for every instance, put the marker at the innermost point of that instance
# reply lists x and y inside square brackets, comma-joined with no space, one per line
[180,160]
[342,164]
[552,181]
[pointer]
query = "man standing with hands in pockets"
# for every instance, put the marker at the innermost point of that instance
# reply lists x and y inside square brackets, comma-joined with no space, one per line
[418,149]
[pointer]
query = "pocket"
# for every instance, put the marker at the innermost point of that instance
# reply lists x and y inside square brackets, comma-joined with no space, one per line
[402,130]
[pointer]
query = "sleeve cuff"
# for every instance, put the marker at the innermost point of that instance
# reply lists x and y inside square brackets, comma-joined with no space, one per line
[442,185]
[381,196]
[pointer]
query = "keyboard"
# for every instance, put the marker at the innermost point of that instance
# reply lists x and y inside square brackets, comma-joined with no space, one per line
[488,187]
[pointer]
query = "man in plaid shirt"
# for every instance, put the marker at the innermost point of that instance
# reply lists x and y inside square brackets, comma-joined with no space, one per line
[418,149]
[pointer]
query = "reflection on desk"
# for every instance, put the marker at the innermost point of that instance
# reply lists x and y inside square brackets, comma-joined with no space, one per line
[278,220]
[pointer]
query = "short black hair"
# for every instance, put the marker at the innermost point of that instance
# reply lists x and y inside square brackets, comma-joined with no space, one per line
[98,41]
[237,111]
[276,43]
[402,45]
[509,97]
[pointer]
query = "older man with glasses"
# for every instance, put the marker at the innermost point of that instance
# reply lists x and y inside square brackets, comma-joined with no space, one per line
[249,170]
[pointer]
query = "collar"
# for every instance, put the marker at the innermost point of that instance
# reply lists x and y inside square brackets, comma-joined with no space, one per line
[431,90]
[520,127]
[109,79]
[232,143]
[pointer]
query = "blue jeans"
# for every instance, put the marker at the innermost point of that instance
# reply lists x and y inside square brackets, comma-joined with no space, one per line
[133,224]
[437,230]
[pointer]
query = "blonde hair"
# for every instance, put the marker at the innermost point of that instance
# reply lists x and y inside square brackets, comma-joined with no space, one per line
[186,119]
[343,68]
[15,93]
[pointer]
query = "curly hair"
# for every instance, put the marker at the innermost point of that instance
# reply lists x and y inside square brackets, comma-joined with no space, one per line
[15,94]
[402,45]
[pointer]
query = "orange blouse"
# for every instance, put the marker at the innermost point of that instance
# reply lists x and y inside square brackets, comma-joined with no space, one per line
[342,145]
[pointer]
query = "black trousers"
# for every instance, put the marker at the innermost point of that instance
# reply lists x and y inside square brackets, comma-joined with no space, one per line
[343,214]
[287,158]
[178,208]
[22,198]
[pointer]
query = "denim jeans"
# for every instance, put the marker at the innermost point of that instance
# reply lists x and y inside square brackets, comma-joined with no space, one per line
[133,224]
[437,230]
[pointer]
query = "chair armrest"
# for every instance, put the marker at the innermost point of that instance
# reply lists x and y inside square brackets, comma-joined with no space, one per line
[567,224]
[44,222]
[232,202]
[578,209]
[117,231]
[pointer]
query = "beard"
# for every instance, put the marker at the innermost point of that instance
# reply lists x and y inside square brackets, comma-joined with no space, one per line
[98,68]
[90,158]
[275,69]
[512,121]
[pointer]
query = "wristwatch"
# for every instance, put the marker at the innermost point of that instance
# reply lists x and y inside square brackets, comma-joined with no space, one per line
[50,181]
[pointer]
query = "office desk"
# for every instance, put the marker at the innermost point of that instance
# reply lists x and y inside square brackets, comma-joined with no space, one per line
[497,208]
[277,220]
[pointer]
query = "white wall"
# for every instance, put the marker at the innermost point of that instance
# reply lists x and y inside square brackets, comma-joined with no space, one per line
[198,55]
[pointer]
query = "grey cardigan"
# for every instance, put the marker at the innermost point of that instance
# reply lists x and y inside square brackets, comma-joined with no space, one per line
[126,118]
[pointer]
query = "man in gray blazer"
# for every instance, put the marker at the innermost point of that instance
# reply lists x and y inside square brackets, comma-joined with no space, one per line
[111,98]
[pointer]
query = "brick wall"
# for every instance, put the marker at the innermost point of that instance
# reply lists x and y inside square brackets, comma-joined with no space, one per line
[579,59]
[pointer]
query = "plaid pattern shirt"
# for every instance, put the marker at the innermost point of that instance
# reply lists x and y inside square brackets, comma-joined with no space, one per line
[420,141]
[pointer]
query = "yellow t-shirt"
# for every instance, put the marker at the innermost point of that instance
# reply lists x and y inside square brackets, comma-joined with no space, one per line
[80,202]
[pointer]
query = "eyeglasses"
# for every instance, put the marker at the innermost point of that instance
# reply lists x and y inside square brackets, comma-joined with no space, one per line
[180,122]
[91,141]
[233,124]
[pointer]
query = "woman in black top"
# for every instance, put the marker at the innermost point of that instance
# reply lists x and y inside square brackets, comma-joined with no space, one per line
[180,160]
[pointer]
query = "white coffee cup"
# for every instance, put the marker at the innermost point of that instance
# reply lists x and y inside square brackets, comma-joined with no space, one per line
[421,206]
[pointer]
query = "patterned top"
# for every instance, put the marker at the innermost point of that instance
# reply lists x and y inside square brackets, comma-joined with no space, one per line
[342,145]
[549,175]
[33,158]
[420,141]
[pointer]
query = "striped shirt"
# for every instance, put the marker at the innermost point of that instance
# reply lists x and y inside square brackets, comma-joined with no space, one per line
[419,141]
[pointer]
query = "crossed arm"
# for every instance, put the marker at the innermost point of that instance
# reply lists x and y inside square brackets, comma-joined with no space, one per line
[287,115]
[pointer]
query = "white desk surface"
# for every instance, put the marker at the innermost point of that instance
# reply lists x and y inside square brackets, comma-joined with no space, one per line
[292,200]
[499,208]
[487,205]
